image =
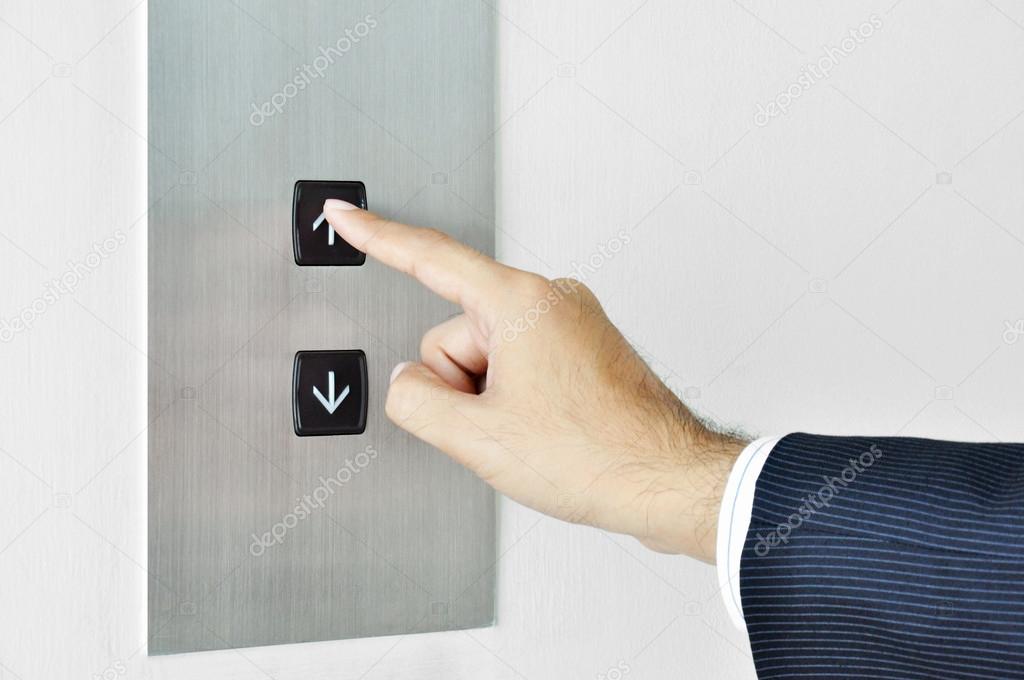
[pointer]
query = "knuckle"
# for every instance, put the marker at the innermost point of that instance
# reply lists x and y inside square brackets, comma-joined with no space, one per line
[437,246]
[430,342]
[380,229]
[533,285]
[571,286]
[379,225]
[583,299]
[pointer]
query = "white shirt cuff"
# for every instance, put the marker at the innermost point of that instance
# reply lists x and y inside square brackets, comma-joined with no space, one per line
[734,521]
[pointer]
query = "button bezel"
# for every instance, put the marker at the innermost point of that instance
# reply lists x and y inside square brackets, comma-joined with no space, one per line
[341,254]
[302,422]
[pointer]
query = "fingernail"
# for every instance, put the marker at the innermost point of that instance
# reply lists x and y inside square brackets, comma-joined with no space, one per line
[338,204]
[398,369]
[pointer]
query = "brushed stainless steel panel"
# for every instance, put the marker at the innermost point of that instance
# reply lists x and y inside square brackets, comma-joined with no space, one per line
[376,533]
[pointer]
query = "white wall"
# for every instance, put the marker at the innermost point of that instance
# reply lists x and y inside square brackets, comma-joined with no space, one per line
[818,272]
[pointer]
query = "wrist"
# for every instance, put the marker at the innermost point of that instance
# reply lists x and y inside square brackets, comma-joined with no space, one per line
[679,513]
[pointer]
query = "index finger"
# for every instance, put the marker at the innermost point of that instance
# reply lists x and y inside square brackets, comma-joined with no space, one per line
[451,269]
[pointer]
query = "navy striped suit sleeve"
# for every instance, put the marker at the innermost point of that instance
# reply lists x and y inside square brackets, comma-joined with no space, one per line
[886,558]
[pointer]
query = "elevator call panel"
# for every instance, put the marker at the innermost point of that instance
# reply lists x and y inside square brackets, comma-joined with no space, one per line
[284,506]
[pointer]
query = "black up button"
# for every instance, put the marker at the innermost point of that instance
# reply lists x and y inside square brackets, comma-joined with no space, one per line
[314,241]
[329,392]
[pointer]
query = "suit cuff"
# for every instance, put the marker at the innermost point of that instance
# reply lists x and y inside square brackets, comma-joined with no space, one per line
[734,521]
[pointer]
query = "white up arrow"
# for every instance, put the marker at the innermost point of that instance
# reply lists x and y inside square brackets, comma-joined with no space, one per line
[330,230]
[330,403]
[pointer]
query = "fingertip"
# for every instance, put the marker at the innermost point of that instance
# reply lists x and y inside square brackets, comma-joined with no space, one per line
[410,390]
[350,221]
[338,204]
[398,370]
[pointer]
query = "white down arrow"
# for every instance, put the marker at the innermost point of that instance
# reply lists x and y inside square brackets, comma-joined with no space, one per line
[330,402]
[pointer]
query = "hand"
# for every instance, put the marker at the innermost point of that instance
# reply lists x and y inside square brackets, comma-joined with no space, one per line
[534,390]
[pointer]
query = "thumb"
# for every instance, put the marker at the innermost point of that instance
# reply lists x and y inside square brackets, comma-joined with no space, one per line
[424,405]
